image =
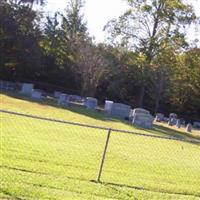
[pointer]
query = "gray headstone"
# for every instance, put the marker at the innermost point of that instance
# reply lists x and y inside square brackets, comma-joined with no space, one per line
[57,94]
[189,128]
[142,118]
[75,98]
[172,115]
[170,122]
[63,100]
[91,103]
[172,119]
[166,119]
[131,115]
[159,117]
[196,125]
[36,94]
[178,123]
[120,110]
[27,88]
[138,111]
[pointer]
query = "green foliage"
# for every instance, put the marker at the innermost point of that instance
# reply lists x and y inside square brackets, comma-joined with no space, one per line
[19,50]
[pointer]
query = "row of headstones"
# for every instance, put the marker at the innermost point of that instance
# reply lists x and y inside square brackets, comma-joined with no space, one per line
[174,121]
[139,117]
[7,86]
[28,90]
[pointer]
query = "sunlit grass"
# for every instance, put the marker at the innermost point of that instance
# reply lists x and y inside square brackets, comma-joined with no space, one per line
[48,160]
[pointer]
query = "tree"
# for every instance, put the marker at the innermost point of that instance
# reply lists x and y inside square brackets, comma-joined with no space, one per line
[90,65]
[185,83]
[73,24]
[146,26]
[28,3]
[19,34]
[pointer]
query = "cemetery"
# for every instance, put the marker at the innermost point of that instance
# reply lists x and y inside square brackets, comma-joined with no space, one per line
[99,100]
[54,139]
[136,116]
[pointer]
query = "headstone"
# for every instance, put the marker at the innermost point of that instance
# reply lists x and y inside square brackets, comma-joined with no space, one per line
[166,119]
[108,106]
[120,110]
[63,100]
[170,122]
[196,125]
[131,115]
[36,94]
[75,98]
[91,103]
[142,118]
[27,88]
[57,94]
[7,85]
[178,123]
[172,119]
[189,128]
[172,115]
[182,122]
[159,117]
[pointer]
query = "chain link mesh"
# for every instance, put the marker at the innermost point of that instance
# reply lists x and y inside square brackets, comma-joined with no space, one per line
[38,151]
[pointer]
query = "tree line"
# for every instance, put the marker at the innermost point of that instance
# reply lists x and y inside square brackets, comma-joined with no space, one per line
[145,62]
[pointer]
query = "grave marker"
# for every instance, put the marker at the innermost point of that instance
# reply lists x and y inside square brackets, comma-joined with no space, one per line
[27,88]
[36,94]
[142,118]
[120,110]
[91,103]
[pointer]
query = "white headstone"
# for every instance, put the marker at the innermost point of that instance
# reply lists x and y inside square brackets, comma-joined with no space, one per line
[108,106]
[27,88]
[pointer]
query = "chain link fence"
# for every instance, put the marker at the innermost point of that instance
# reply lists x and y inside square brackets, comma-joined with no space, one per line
[48,150]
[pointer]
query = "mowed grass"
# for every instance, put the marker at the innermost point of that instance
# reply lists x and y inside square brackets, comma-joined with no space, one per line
[50,109]
[48,160]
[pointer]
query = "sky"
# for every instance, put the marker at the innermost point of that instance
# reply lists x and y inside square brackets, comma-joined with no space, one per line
[99,12]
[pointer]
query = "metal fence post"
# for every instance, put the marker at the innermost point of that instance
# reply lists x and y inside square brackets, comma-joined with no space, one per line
[103,156]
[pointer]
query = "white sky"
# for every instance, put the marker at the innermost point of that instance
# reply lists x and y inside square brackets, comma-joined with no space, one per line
[99,12]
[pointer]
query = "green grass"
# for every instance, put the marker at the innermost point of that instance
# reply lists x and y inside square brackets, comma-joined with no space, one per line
[48,160]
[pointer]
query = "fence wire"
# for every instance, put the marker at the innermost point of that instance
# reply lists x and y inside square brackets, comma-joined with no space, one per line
[42,150]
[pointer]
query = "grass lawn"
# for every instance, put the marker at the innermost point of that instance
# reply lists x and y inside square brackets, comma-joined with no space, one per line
[48,160]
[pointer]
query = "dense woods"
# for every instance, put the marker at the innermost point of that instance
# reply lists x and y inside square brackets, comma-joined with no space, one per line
[146,61]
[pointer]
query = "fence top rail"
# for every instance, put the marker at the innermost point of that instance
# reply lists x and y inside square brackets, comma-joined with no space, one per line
[96,127]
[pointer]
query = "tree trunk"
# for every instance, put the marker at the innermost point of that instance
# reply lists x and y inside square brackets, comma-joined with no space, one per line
[141,96]
[159,90]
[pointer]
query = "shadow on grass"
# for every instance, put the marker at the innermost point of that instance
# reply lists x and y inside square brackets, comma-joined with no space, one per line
[9,194]
[175,133]
[100,115]
[146,189]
